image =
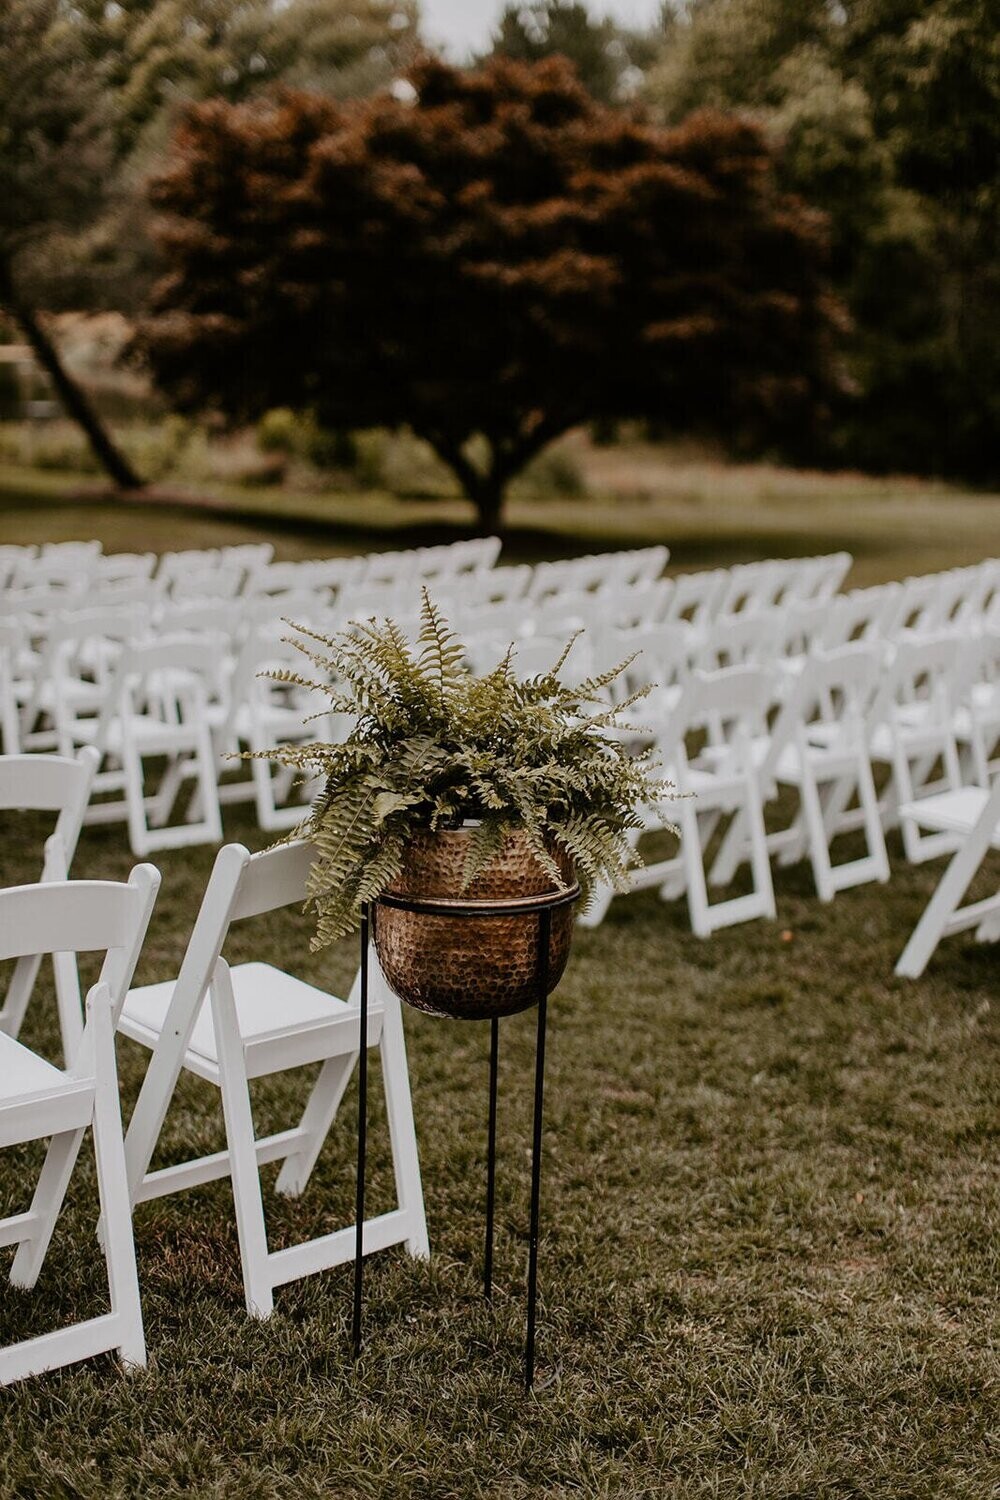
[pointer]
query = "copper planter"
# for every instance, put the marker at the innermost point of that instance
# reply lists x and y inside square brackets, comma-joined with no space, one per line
[469,966]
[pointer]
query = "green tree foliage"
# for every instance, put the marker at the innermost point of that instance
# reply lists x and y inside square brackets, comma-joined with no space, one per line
[55,155]
[169,53]
[887,116]
[609,59]
[492,263]
[89,91]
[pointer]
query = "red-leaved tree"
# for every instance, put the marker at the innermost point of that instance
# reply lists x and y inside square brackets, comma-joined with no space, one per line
[492,262]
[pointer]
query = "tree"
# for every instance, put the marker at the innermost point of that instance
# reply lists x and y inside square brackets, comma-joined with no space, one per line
[493,263]
[609,60]
[886,115]
[89,92]
[54,158]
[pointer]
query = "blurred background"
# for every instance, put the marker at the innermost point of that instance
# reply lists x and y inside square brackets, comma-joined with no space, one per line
[879,120]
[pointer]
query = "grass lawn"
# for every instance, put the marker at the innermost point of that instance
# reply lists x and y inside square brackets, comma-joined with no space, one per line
[709,514]
[770,1197]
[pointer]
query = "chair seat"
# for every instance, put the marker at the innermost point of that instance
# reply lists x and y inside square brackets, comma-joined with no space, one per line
[23,1073]
[950,812]
[270,1005]
[148,734]
[829,760]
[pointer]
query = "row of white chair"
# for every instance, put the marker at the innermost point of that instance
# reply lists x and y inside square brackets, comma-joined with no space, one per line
[227,1024]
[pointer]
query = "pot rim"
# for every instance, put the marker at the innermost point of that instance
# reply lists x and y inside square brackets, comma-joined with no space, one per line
[480,906]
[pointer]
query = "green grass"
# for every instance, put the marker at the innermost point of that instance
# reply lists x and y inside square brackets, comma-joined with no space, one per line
[709,514]
[769,1263]
[770,1197]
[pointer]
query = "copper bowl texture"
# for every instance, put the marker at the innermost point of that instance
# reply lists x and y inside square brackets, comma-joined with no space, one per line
[470,967]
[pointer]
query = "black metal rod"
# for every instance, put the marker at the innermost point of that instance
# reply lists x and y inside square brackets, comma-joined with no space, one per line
[544,931]
[359,1222]
[491,1160]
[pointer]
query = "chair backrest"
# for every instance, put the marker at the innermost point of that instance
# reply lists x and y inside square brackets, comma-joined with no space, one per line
[242,885]
[750,586]
[729,707]
[737,640]
[124,567]
[662,657]
[637,567]
[216,583]
[834,687]
[169,679]
[69,917]
[695,597]
[861,615]
[51,783]
[931,671]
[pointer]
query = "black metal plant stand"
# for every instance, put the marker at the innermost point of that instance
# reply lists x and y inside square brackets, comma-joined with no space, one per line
[542,907]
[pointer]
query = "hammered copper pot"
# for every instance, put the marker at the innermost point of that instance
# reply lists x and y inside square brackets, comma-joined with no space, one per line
[471,967]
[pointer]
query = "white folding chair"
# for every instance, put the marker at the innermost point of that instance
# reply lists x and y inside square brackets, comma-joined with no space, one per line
[75,671]
[38,1102]
[977,720]
[861,615]
[913,731]
[231,1025]
[969,815]
[751,587]
[49,783]
[156,707]
[727,708]
[740,640]
[818,744]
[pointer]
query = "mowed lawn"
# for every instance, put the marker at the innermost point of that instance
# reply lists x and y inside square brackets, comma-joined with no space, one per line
[771,1186]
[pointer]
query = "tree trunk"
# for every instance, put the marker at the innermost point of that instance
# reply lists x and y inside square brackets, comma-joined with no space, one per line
[487,495]
[484,489]
[72,396]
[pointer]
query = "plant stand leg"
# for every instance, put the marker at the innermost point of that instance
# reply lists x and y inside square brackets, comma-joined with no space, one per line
[544,930]
[359,1223]
[491,1160]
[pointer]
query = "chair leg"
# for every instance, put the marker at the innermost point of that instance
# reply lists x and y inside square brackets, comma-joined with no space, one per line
[22,983]
[138,829]
[760,859]
[240,1139]
[874,836]
[53,1181]
[952,887]
[112,1186]
[402,1131]
[819,853]
[694,871]
[317,1118]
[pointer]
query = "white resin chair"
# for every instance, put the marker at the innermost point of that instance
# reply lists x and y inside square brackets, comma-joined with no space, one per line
[49,783]
[39,1102]
[913,731]
[157,706]
[970,815]
[231,1025]
[728,709]
[818,745]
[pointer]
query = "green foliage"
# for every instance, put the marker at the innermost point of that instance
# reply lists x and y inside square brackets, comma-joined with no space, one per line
[54,140]
[886,115]
[434,747]
[608,59]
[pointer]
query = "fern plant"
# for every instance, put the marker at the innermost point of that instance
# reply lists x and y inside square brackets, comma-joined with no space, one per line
[434,746]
